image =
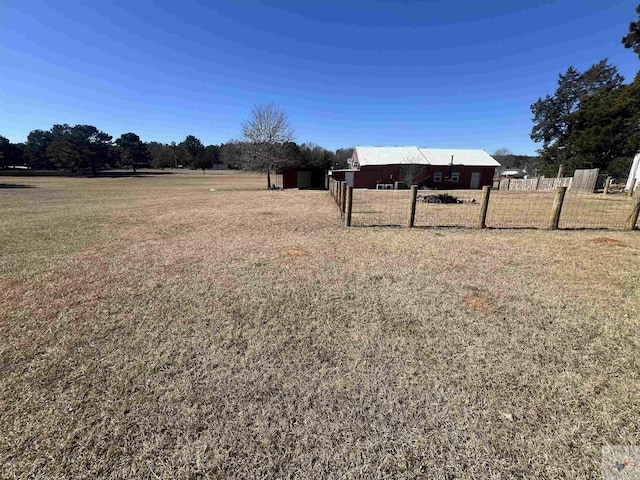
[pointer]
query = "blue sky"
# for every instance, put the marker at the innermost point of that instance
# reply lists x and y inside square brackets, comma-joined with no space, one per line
[428,73]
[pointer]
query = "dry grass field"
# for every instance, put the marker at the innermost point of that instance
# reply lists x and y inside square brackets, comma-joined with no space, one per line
[152,328]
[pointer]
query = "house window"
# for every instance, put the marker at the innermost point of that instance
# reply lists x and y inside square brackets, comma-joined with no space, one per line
[437,177]
[455,177]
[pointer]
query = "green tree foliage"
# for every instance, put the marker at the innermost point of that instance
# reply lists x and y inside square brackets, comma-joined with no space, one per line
[553,116]
[183,157]
[84,147]
[315,156]
[133,151]
[65,153]
[80,147]
[605,131]
[10,153]
[189,152]
[161,155]
[203,160]
[510,161]
[632,38]
[93,145]
[35,149]
[208,157]
[341,157]
[231,154]
[4,147]
[193,145]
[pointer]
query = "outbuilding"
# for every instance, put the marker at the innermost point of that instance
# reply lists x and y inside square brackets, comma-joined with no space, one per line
[302,178]
[390,167]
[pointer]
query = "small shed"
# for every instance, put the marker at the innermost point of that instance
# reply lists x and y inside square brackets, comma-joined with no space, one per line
[308,178]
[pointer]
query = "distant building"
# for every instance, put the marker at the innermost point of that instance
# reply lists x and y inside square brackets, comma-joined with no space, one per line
[389,167]
[513,173]
[634,173]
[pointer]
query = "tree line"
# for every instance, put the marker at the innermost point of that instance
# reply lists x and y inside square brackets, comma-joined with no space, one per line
[592,120]
[86,149]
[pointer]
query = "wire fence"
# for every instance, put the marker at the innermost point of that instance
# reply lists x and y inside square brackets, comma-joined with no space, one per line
[504,208]
[520,209]
[432,211]
[379,207]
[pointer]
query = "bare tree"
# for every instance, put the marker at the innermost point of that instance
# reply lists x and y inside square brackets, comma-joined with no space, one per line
[412,174]
[502,152]
[266,131]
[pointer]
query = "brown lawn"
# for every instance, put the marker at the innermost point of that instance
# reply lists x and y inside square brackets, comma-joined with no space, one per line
[152,328]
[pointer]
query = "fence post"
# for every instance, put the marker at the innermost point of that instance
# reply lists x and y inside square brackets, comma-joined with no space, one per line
[554,221]
[537,184]
[607,184]
[633,216]
[632,187]
[484,206]
[339,195]
[349,207]
[411,213]
[508,184]
[343,196]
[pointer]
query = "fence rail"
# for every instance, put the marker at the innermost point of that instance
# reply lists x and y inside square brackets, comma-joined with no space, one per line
[584,180]
[538,183]
[558,208]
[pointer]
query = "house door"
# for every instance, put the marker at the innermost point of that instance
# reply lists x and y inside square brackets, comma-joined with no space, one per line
[475,180]
[304,179]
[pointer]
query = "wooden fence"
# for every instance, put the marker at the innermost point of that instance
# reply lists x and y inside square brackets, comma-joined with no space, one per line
[489,208]
[531,184]
[583,180]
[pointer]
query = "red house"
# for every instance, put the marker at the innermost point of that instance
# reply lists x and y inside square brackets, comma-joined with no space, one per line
[390,167]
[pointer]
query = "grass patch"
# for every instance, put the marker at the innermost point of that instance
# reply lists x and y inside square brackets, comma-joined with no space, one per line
[151,327]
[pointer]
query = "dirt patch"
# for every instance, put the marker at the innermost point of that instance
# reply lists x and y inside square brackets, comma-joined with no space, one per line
[607,241]
[294,252]
[478,304]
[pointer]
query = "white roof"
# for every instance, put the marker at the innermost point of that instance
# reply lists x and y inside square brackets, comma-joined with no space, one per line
[423,156]
[461,156]
[389,156]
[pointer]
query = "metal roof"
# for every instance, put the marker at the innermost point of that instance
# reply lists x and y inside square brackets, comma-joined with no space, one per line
[461,156]
[423,156]
[389,156]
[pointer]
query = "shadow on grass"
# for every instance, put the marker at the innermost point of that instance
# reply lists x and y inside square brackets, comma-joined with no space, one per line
[102,174]
[111,174]
[15,185]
